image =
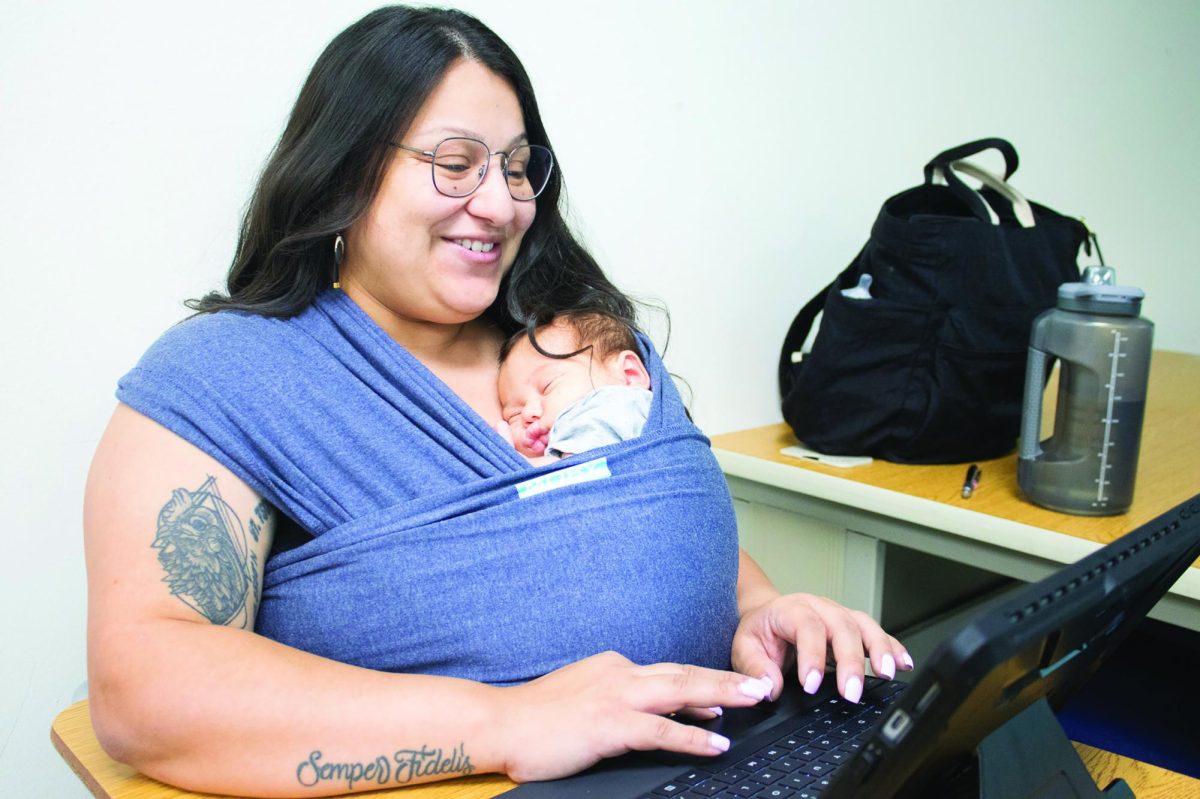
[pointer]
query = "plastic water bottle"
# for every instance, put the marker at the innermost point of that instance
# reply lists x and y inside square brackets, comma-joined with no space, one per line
[1089,465]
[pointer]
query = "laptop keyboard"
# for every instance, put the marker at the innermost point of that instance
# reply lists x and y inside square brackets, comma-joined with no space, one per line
[799,764]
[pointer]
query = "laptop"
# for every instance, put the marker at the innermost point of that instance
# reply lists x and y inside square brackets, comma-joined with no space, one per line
[975,720]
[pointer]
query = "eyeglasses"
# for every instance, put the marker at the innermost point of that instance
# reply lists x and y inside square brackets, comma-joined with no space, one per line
[460,164]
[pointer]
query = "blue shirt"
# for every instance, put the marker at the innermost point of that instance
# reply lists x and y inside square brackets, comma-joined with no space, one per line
[437,547]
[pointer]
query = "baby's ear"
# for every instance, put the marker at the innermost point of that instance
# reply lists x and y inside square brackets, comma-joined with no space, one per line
[633,370]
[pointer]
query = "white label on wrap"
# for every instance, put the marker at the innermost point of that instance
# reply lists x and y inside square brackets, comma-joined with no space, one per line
[572,475]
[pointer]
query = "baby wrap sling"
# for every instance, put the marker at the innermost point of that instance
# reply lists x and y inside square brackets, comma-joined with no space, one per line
[437,547]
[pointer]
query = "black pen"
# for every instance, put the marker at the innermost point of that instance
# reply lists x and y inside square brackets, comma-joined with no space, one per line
[971,482]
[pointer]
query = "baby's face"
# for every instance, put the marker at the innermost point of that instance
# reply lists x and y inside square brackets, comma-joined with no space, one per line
[535,389]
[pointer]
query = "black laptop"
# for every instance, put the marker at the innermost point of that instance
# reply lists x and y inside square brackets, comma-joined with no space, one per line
[976,720]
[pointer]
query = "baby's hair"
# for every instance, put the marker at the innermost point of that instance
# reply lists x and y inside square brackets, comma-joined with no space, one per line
[603,334]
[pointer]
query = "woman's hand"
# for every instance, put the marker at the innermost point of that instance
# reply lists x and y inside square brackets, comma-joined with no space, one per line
[815,628]
[606,705]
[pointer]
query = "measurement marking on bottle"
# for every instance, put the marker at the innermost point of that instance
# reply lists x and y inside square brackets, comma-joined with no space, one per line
[1108,421]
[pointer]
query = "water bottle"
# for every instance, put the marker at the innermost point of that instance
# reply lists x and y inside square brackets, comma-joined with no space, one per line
[1089,464]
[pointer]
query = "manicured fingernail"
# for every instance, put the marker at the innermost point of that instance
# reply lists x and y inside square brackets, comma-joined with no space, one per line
[753,688]
[769,683]
[812,682]
[888,667]
[719,742]
[907,660]
[853,690]
[717,711]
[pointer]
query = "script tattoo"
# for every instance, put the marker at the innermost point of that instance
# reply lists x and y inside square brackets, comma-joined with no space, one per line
[263,512]
[206,554]
[404,766]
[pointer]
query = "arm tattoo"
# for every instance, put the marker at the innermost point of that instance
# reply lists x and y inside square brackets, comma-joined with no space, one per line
[207,556]
[263,512]
[404,766]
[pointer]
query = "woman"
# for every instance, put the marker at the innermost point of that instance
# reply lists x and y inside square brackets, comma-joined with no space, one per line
[331,449]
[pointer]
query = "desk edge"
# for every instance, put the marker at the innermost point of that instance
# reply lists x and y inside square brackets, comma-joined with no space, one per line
[1040,542]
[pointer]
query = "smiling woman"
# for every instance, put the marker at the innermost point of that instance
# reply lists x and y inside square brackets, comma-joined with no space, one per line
[319,464]
[419,256]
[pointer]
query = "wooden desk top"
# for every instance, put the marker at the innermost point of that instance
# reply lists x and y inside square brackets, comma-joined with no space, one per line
[74,739]
[1168,463]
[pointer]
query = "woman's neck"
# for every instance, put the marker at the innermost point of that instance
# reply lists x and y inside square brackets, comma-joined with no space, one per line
[433,341]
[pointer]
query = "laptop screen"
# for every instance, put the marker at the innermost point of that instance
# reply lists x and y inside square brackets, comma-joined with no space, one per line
[1038,642]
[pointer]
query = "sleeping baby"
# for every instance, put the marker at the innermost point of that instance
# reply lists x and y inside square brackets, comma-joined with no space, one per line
[557,406]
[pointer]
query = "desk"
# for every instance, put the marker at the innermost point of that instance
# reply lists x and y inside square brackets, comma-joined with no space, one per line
[73,737]
[828,530]
[833,531]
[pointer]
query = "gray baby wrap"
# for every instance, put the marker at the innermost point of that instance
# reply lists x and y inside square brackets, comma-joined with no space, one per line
[437,548]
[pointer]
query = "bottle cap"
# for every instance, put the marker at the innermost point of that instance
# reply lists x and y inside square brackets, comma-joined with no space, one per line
[1101,299]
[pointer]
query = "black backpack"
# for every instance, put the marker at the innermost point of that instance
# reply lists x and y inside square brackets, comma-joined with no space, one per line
[931,368]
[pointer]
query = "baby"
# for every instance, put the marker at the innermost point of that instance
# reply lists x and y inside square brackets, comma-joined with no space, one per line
[554,407]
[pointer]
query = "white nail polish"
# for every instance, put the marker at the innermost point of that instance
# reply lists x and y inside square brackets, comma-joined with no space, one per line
[718,710]
[812,682]
[752,688]
[888,667]
[907,660]
[719,742]
[768,684]
[853,690]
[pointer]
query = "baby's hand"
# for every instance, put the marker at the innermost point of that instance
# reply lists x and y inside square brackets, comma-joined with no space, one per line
[536,441]
[534,445]
[537,438]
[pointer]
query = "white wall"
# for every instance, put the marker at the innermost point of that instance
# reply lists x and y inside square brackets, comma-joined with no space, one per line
[131,133]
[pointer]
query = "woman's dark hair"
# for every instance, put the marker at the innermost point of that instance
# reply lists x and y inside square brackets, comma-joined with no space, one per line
[368,84]
[601,333]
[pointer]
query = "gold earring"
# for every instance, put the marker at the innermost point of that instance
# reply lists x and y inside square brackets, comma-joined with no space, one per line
[339,252]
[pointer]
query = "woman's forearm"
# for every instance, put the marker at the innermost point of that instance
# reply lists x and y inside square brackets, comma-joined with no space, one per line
[754,588]
[216,709]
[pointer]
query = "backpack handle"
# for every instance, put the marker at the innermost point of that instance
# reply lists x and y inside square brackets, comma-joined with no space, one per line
[1020,205]
[944,159]
[793,343]
[942,166]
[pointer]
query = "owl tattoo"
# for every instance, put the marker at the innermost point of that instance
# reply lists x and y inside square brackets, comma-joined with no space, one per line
[204,550]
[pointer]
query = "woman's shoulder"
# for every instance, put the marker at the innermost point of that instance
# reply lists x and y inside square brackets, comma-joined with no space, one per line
[221,353]
[222,337]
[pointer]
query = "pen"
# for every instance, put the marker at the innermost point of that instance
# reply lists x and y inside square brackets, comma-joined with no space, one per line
[971,482]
